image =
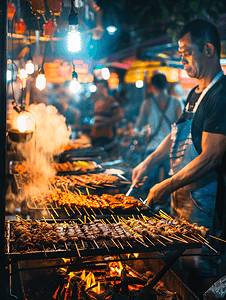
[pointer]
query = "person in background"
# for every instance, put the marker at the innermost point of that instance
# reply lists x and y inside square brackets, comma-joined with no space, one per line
[159,111]
[65,105]
[107,112]
[196,146]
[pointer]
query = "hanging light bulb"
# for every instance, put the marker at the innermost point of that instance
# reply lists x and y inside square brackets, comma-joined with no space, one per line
[73,36]
[22,123]
[30,67]
[41,80]
[22,74]
[105,73]
[75,86]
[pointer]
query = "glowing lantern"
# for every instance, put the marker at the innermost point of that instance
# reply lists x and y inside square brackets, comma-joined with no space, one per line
[11,10]
[113,81]
[48,28]
[20,26]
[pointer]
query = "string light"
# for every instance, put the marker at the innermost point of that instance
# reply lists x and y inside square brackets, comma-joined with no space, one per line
[41,80]
[73,36]
[75,86]
[30,68]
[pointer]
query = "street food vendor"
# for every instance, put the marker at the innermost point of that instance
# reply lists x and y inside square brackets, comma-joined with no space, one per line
[196,144]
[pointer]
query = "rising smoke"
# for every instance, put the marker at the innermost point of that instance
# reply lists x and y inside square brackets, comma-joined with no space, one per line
[50,137]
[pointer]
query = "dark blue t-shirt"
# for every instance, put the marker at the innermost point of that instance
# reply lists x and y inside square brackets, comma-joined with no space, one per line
[211,113]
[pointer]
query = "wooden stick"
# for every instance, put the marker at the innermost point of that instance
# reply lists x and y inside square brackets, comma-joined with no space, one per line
[85,210]
[166,238]
[76,246]
[113,218]
[178,239]
[188,237]
[72,209]
[67,212]
[161,242]
[217,238]
[203,238]
[78,210]
[53,218]
[149,240]
[83,245]
[141,242]
[54,210]
[96,244]
[66,246]
[105,245]
[44,250]
[120,244]
[114,243]
[129,244]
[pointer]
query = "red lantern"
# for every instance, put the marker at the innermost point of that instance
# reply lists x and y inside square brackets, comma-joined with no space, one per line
[11,10]
[48,28]
[20,26]
[55,6]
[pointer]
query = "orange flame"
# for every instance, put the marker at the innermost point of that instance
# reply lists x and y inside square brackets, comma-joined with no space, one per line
[115,268]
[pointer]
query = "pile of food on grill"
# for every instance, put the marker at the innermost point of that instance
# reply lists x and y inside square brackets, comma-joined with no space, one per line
[82,180]
[86,179]
[105,201]
[32,235]
[75,166]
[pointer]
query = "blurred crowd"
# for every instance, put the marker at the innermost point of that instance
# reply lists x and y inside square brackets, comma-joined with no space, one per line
[128,122]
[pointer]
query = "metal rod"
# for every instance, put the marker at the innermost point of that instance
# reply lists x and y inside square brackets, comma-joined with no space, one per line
[158,276]
[3,68]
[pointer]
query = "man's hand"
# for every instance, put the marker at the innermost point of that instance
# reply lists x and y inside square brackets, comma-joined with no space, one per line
[138,173]
[159,193]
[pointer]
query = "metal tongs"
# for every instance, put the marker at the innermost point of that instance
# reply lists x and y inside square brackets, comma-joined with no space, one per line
[135,186]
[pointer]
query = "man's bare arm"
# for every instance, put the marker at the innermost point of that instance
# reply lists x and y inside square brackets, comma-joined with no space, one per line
[213,149]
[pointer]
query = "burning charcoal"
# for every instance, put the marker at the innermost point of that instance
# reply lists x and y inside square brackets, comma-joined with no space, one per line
[150,274]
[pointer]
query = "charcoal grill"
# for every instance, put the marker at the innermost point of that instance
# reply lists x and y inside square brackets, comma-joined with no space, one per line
[89,248]
[99,251]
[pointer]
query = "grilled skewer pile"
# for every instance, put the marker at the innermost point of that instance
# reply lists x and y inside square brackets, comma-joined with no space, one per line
[68,198]
[37,235]
[72,181]
[75,166]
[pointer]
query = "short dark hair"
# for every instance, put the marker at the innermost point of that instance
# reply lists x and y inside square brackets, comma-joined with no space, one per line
[202,32]
[159,81]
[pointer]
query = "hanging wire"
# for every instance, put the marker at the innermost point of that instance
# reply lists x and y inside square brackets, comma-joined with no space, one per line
[13,63]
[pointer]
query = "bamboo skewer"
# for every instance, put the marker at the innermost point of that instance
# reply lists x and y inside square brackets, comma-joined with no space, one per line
[142,243]
[120,244]
[44,250]
[166,238]
[54,210]
[161,242]
[76,246]
[96,244]
[105,245]
[179,239]
[67,211]
[85,210]
[214,237]
[214,250]
[193,239]
[114,243]
[65,244]
[129,244]
[149,241]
